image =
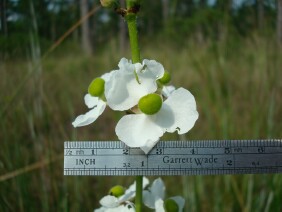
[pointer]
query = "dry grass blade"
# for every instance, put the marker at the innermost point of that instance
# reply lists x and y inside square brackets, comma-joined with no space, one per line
[29,168]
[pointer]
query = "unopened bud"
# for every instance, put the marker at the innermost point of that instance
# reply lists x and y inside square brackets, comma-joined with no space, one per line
[171,206]
[166,78]
[150,104]
[96,87]
[117,191]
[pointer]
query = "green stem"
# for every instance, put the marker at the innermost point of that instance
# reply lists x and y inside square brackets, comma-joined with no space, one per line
[139,192]
[131,19]
[133,37]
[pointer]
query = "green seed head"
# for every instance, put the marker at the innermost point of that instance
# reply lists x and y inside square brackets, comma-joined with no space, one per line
[117,191]
[96,87]
[166,78]
[150,104]
[171,206]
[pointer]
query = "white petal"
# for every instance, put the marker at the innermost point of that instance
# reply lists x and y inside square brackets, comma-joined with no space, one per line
[102,209]
[154,67]
[126,65]
[109,201]
[167,90]
[91,101]
[178,112]
[123,90]
[138,130]
[138,67]
[159,205]
[117,93]
[180,202]
[90,116]
[107,76]
[131,191]
[128,207]
[148,199]
[156,191]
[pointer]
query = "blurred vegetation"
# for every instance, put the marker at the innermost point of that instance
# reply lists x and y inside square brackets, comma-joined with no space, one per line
[228,61]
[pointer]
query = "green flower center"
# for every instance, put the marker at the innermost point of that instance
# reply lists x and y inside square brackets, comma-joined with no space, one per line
[117,191]
[150,104]
[171,206]
[166,78]
[96,87]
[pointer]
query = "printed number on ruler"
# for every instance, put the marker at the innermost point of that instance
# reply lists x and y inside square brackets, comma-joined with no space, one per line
[203,157]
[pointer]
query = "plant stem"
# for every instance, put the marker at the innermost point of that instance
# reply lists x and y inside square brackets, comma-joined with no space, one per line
[131,19]
[133,37]
[139,192]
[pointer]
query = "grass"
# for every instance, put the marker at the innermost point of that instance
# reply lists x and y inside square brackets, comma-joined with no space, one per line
[237,86]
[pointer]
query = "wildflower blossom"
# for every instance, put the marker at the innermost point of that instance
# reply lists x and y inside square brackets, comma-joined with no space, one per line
[141,88]
[132,81]
[154,198]
[178,112]
[96,104]
[112,203]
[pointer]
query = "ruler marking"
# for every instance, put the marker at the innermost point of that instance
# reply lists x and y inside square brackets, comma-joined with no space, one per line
[248,156]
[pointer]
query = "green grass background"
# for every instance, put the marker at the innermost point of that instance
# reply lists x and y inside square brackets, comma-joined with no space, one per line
[237,84]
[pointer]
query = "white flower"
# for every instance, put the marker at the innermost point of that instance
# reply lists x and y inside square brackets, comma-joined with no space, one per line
[112,203]
[132,81]
[178,112]
[153,198]
[167,90]
[125,207]
[96,104]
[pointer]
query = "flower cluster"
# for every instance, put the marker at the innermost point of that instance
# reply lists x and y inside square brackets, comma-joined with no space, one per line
[153,197]
[152,107]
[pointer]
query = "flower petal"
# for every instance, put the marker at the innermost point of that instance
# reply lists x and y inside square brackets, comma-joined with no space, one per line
[126,65]
[102,209]
[167,90]
[117,93]
[123,90]
[90,116]
[138,130]
[156,191]
[91,101]
[180,202]
[109,201]
[154,68]
[178,112]
[159,205]
[128,207]
[148,199]
[107,76]
[130,192]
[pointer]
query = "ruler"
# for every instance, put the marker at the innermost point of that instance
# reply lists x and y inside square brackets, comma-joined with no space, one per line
[198,157]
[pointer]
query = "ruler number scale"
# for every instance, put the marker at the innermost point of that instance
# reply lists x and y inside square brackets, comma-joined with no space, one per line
[203,157]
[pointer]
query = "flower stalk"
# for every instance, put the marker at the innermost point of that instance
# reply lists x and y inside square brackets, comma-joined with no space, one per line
[131,20]
[139,192]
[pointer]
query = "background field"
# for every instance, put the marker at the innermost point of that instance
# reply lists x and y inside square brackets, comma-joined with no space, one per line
[235,78]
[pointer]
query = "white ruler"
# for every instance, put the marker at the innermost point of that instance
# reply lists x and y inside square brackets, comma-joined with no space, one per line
[199,157]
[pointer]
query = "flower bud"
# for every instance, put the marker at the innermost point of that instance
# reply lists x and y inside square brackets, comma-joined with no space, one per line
[96,87]
[166,78]
[109,3]
[150,104]
[171,206]
[117,191]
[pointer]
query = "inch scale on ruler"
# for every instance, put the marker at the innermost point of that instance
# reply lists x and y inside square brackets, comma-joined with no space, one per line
[203,157]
